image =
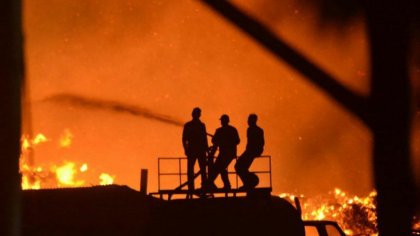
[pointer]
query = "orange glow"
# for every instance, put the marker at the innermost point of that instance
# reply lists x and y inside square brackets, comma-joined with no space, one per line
[355,215]
[68,174]
[40,138]
[84,168]
[66,139]
[27,143]
[416,225]
[168,57]
[106,179]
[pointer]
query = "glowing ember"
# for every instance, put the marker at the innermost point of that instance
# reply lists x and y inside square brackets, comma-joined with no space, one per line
[416,224]
[29,181]
[40,138]
[66,175]
[27,143]
[84,168]
[66,139]
[106,179]
[53,176]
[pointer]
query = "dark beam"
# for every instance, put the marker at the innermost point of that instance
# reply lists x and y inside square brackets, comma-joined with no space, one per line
[356,104]
[11,74]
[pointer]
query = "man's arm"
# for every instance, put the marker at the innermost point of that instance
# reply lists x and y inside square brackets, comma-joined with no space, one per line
[262,138]
[205,137]
[185,139]
[215,139]
[237,140]
[260,141]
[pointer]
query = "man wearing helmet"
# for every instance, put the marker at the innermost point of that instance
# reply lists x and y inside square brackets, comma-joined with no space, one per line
[226,139]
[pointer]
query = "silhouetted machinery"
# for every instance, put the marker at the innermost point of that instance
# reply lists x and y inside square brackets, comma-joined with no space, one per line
[119,210]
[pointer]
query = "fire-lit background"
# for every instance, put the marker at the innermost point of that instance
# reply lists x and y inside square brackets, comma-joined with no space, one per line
[160,59]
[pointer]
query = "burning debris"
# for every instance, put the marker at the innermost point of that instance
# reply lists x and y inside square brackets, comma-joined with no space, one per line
[53,176]
[355,215]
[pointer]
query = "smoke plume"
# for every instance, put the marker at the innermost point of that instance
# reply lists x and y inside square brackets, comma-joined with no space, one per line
[111,106]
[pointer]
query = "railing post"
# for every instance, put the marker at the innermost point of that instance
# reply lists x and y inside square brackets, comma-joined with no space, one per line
[269,157]
[236,173]
[179,171]
[143,181]
[158,174]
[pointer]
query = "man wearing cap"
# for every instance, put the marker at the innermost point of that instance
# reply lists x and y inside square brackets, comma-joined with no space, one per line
[226,139]
[254,148]
[194,140]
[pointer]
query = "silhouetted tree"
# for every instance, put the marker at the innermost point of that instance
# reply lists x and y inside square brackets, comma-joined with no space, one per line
[387,111]
[11,74]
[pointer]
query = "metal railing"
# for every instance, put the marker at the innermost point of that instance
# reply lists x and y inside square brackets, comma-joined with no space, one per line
[180,173]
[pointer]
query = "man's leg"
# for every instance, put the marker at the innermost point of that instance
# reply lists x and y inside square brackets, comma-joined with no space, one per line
[202,163]
[242,166]
[214,171]
[190,172]
[224,164]
[225,178]
[219,167]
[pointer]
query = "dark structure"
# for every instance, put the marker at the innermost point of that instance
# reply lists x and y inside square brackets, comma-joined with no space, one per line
[119,210]
[11,78]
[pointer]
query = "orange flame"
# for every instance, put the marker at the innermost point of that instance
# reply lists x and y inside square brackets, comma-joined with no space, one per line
[84,167]
[106,179]
[355,215]
[66,139]
[65,175]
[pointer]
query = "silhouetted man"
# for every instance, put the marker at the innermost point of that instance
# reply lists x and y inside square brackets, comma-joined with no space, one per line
[226,139]
[254,148]
[194,140]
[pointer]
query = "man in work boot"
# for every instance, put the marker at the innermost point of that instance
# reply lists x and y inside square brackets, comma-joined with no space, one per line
[226,139]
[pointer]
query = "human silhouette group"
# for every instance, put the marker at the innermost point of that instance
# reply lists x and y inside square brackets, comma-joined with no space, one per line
[225,140]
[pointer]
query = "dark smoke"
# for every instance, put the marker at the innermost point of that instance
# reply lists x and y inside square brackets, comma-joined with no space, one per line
[111,106]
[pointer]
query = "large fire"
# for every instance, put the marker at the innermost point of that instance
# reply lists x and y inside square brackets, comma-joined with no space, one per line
[67,174]
[355,215]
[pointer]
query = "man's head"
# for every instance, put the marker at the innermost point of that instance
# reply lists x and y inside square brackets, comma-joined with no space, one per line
[252,120]
[196,113]
[224,119]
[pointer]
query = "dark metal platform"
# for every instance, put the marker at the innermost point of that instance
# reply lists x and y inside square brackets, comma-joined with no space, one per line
[198,193]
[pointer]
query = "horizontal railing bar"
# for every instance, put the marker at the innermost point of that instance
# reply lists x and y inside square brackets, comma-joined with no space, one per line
[184,159]
[264,156]
[256,172]
[172,174]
